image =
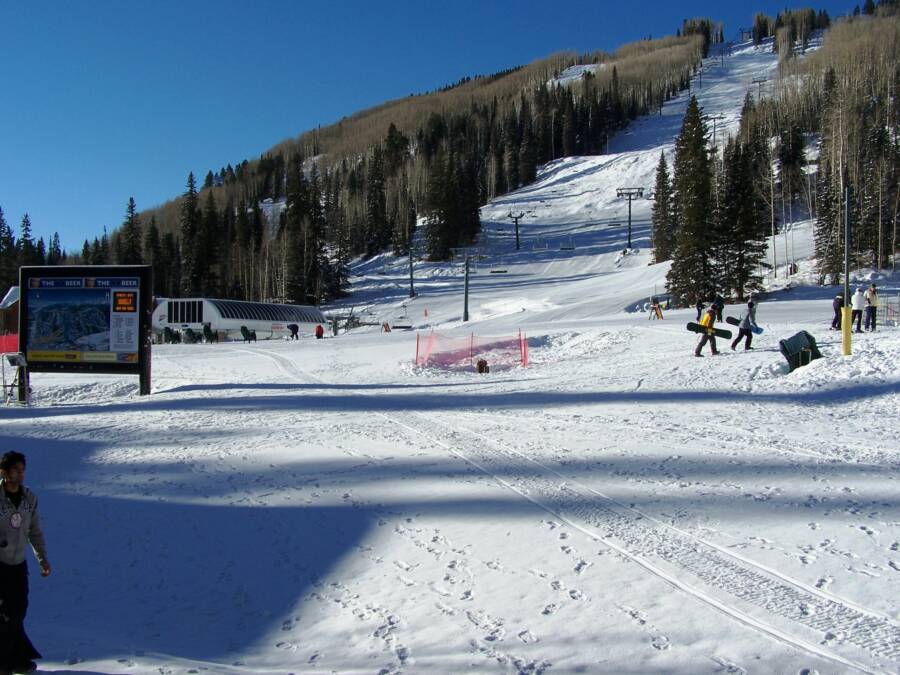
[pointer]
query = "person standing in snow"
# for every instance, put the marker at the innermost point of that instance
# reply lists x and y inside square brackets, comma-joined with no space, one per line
[19,525]
[837,305]
[699,308]
[320,332]
[871,307]
[708,322]
[719,304]
[857,303]
[745,330]
[751,310]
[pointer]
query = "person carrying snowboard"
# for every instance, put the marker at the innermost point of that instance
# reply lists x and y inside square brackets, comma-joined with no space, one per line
[19,527]
[745,330]
[837,305]
[708,322]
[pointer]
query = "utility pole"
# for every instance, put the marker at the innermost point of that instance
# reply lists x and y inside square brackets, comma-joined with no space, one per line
[630,194]
[845,310]
[466,292]
[759,81]
[516,217]
[715,118]
[412,291]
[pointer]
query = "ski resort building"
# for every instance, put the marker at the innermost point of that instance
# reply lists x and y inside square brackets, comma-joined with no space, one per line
[227,318]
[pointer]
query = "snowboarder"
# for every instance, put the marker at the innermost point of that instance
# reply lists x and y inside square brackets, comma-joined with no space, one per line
[295,329]
[751,310]
[871,307]
[857,303]
[320,332]
[19,525]
[708,321]
[745,330]
[837,305]
[699,308]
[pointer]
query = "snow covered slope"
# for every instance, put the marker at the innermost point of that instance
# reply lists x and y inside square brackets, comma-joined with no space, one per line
[618,506]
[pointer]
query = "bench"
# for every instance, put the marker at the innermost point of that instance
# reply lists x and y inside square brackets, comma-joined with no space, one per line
[799,350]
[209,334]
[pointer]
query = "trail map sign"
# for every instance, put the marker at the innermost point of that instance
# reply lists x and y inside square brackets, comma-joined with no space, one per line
[87,318]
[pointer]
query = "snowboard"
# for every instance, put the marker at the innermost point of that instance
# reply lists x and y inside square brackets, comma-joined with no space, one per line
[718,332]
[756,330]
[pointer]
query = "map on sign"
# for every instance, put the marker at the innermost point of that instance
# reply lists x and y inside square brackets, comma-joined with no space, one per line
[83,319]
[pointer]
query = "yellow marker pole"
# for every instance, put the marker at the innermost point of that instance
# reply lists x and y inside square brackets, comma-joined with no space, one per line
[845,330]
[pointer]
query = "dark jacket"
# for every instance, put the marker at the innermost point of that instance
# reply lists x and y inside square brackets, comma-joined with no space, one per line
[838,303]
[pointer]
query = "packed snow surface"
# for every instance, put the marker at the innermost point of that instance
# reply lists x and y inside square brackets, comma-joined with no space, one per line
[615,506]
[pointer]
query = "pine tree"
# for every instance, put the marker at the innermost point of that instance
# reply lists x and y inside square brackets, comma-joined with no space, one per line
[663,217]
[690,277]
[377,228]
[9,262]
[190,225]
[55,252]
[153,256]
[27,249]
[206,259]
[129,239]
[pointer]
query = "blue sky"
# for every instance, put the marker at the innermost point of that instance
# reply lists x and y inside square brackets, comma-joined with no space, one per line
[101,101]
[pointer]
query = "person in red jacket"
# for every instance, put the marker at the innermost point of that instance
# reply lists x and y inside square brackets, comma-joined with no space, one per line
[320,332]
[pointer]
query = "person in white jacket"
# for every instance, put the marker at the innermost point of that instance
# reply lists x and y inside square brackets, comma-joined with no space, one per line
[857,304]
[871,307]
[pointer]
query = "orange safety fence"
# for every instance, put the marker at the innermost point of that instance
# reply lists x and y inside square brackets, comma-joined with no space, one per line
[441,350]
[9,343]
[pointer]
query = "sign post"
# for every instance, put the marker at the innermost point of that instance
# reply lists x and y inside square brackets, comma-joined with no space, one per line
[87,318]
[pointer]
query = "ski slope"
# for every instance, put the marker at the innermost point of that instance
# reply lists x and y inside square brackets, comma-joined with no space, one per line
[617,506]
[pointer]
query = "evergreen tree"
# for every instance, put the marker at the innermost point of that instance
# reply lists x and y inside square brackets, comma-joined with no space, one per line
[153,256]
[690,277]
[206,259]
[377,227]
[129,239]
[55,252]
[9,257]
[662,215]
[27,250]
[191,282]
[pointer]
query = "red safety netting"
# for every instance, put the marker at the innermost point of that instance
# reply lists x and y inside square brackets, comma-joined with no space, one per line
[449,351]
[9,343]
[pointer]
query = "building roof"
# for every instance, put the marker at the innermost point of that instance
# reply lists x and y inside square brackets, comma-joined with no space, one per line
[11,298]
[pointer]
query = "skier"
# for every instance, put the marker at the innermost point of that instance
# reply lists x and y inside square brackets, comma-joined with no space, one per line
[857,302]
[745,330]
[320,332]
[837,305]
[19,525]
[708,321]
[871,307]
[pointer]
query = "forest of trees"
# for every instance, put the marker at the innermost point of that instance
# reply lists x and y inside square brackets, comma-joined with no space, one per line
[830,125]
[286,226]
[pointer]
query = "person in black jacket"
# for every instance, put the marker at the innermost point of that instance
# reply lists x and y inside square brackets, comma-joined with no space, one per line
[699,307]
[837,305]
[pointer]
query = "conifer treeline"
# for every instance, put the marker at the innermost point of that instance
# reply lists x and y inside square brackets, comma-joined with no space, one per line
[844,96]
[286,226]
[24,250]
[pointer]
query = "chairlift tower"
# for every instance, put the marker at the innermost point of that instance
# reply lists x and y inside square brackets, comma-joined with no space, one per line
[630,193]
[516,217]
[759,81]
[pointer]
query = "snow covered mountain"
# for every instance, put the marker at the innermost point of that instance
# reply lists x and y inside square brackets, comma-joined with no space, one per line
[617,506]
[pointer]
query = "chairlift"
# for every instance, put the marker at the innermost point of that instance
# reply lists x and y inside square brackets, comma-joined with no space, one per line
[567,245]
[498,267]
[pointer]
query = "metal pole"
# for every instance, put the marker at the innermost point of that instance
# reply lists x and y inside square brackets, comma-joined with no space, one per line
[629,221]
[846,314]
[412,291]
[466,292]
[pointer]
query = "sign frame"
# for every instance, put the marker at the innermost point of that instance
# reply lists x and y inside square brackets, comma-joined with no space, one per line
[144,310]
